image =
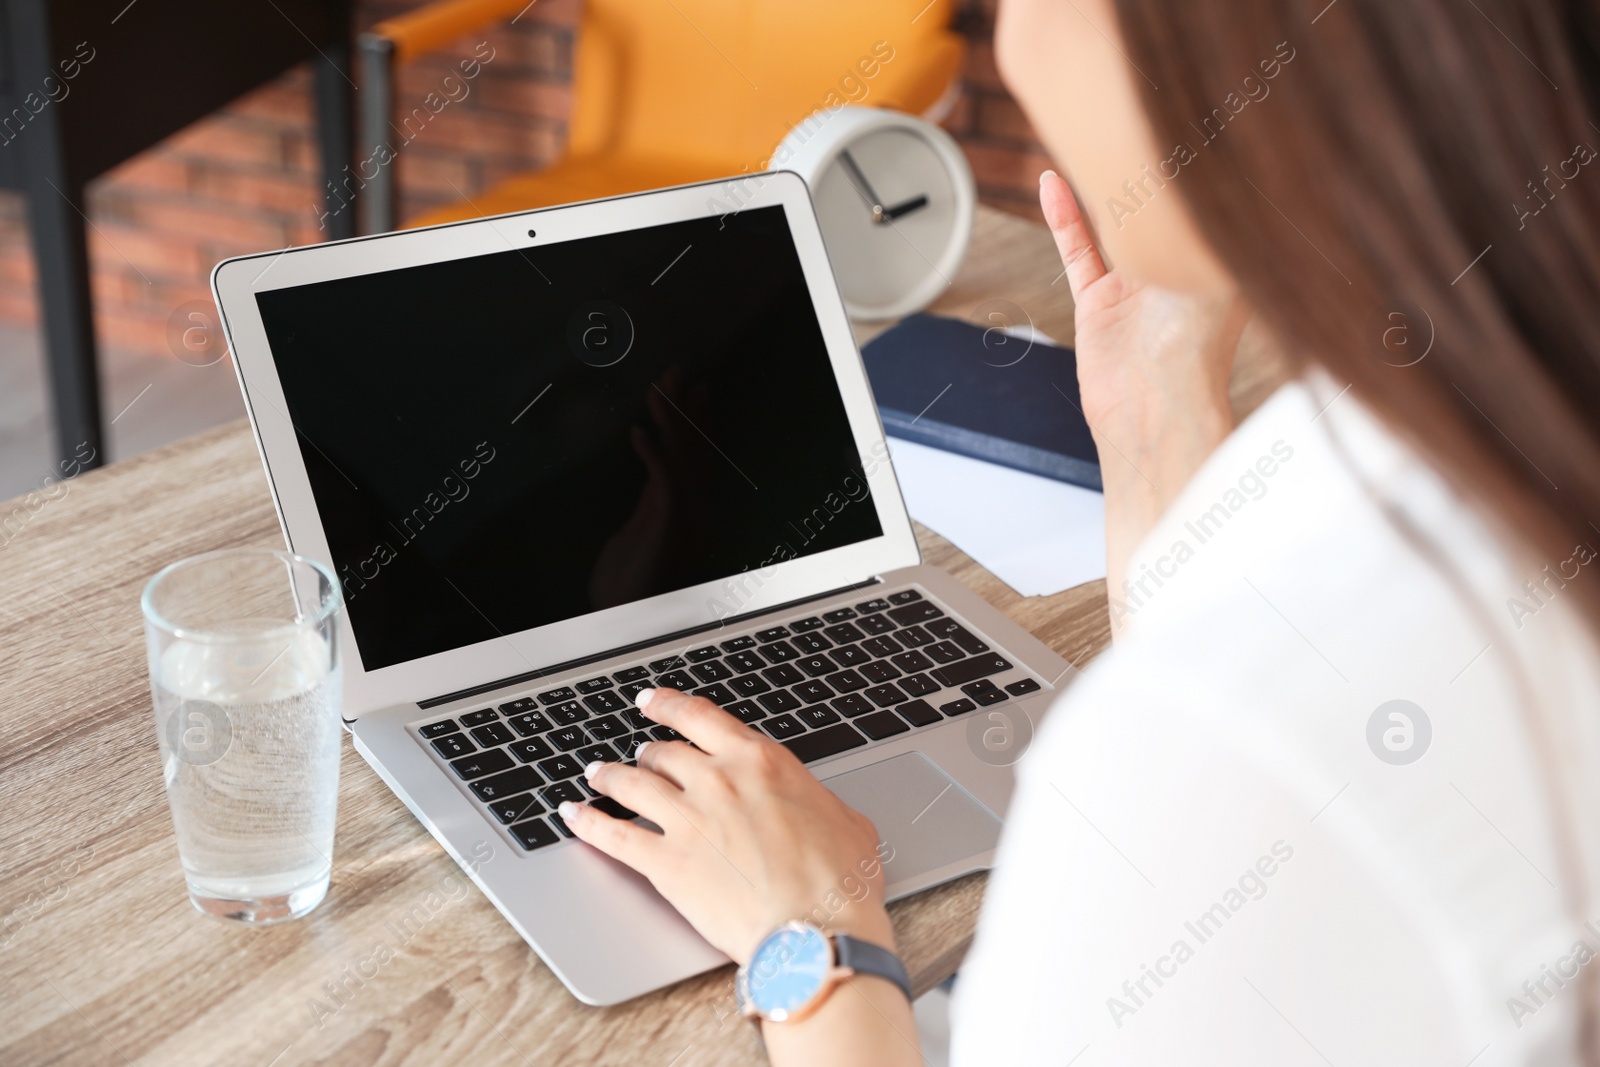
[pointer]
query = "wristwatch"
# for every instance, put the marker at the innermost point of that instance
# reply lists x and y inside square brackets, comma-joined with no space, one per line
[796,966]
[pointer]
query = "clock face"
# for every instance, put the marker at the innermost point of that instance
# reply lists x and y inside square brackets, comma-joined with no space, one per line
[887,208]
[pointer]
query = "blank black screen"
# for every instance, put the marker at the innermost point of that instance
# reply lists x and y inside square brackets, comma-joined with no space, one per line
[505,441]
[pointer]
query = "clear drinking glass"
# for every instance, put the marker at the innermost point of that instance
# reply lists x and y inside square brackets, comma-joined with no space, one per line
[245,676]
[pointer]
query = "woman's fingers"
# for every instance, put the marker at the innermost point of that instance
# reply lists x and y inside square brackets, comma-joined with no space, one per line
[625,842]
[677,762]
[639,788]
[696,718]
[1073,241]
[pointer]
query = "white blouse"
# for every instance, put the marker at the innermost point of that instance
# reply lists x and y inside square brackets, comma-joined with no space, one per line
[1333,798]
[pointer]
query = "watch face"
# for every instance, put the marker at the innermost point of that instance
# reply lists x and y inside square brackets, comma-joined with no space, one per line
[788,970]
[887,208]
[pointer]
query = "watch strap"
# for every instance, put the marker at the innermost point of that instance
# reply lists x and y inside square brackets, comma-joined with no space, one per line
[863,957]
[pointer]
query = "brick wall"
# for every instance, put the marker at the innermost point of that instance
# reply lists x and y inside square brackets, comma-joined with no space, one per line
[246,179]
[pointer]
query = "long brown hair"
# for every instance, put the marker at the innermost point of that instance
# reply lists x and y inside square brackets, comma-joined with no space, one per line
[1423,172]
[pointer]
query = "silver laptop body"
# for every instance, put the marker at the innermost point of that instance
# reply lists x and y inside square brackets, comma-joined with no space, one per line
[495,430]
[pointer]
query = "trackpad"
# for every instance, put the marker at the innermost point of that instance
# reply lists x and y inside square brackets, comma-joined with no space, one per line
[921,813]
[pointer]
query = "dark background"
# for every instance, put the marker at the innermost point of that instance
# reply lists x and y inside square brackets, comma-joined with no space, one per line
[395,380]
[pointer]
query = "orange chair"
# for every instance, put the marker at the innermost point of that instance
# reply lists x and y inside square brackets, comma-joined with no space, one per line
[673,91]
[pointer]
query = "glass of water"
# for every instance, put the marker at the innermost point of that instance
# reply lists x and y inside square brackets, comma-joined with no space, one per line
[244,671]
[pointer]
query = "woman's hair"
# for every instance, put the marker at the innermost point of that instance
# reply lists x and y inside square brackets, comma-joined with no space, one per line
[1408,192]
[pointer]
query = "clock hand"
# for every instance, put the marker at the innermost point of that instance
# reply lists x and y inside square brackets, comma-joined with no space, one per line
[862,186]
[916,203]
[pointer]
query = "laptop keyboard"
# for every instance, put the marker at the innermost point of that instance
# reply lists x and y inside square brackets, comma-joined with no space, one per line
[819,684]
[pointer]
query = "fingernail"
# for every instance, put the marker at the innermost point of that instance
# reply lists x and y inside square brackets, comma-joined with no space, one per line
[643,697]
[638,753]
[593,769]
[1047,174]
[567,810]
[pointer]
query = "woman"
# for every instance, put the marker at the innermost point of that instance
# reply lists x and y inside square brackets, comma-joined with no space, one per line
[1331,797]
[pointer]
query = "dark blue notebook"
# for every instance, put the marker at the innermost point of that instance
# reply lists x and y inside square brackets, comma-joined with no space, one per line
[985,394]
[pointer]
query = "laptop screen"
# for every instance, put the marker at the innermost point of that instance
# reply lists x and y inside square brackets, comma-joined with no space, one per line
[506,441]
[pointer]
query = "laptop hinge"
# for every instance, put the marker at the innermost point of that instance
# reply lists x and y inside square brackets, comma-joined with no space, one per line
[560,668]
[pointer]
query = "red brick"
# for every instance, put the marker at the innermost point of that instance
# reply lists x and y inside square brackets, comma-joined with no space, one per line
[234,226]
[981,70]
[164,255]
[285,102]
[281,193]
[1006,166]
[155,169]
[959,121]
[16,268]
[19,306]
[520,96]
[437,175]
[239,140]
[129,332]
[998,116]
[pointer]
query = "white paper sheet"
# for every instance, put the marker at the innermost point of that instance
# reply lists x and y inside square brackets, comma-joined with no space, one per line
[1037,535]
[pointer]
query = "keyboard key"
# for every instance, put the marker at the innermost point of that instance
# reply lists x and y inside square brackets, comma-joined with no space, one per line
[959,634]
[920,611]
[843,634]
[568,738]
[534,834]
[911,662]
[958,707]
[801,626]
[630,690]
[817,665]
[478,718]
[700,655]
[714,671]
[944,652]
[914,636]
[846,681]
[481,763]
[782,700]
[745,662]
[516,808]
[746,711]
[970,670]
[749,685]
[918,713]
[628,747]
[736,644]
[882,724]
[593,685]
[783,727]
[875,624]
[590,753]
[496,733]
[558,822]
[531,749]
[566,714]
[671,663]
[984,692]
[560,767]
[1022,687]
[838,616]
[439,729]
[873,605]
[779,652]
[602,703]
[518,706]
[607,728]
[612,808]
[817,716]
[885,696]
[507,784]
[879,671]
[553,795]
[852,705]
[904,596]
[812,691]
[530,723]
[851,656]
[635,719]
[452,745]
[920,685]
[783,674]
[881,646]
[809,644]
[665,733]
[631,674]
[556,696]
[675,680]
[773,634]
[824,743]
[718,694]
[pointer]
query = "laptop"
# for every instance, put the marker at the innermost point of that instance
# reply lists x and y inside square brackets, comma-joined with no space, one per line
[561,455]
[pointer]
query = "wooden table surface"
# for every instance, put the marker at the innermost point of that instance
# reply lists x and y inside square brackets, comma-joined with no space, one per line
[104,961]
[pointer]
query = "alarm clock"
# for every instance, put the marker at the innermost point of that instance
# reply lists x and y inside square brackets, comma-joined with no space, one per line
[895,200]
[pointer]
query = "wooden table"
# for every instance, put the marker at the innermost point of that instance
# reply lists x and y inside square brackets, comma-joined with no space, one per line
[104,961]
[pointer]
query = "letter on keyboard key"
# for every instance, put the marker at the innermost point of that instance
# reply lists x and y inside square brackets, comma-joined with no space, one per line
[820,744]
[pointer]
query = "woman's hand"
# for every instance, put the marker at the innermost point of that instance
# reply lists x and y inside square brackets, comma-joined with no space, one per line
[1153,372]
[750,839]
